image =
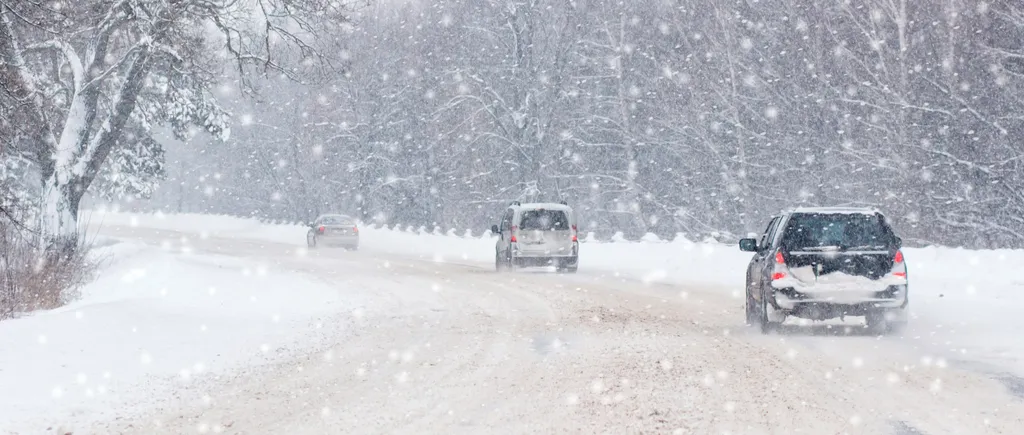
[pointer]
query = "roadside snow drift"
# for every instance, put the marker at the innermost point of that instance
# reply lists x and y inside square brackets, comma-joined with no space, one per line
[155,318]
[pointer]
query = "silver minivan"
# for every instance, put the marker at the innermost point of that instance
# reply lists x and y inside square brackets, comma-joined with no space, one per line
[537,235]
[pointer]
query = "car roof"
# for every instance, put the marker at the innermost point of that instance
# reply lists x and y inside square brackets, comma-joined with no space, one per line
[836,210]
[335,215]
[542,206]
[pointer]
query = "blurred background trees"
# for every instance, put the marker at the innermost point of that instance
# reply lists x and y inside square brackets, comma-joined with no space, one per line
[647,116]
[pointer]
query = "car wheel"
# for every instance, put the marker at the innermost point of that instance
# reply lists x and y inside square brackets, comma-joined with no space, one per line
[895,327]
[499,263]
[574,265]
[886,321]
[875,321]
[311,241]
[749,309]
[766,325]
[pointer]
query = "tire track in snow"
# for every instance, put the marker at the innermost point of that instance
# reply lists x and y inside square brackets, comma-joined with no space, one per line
[688,364]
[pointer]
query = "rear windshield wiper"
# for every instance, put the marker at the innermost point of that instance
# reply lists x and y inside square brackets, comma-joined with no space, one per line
[857,248]
[820,248]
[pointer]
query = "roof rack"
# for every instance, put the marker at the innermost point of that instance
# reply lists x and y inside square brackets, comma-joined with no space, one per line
[836,209]
[516,203]
[563,202]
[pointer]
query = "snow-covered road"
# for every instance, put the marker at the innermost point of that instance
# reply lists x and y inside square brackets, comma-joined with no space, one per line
[424,346]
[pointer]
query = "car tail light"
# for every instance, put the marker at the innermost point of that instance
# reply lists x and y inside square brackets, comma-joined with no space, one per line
[513,229]
[574,238]
[355,229]
[780,267]
[322,229]
[899,267]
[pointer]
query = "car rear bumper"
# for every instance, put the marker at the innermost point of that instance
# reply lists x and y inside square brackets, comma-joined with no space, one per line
[547,260]
[545,250]
[541,255]
[851,302]
[348,240]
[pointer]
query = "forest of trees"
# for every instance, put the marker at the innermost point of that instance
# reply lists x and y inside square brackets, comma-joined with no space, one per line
[661,116]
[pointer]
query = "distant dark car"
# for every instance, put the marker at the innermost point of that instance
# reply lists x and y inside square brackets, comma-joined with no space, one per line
[826,263]
[333,230]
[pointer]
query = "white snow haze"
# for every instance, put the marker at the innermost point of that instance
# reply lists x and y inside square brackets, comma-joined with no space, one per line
[511,216]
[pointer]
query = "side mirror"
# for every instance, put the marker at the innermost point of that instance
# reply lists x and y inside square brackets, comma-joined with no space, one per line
[748,245]
[310,224]
[494,229]
[899,243]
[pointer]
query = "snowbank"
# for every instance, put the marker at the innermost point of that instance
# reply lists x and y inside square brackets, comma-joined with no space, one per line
[153,319]
[211,225]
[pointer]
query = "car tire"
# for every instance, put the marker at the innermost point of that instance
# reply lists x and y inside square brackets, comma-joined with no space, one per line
[503,262]
[765,324]
[895,327]
[567,265]
[749,309]
[882,322]
[311,242]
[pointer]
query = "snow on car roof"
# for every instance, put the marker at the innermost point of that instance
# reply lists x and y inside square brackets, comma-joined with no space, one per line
[837,210]
[543,205]
[334,215]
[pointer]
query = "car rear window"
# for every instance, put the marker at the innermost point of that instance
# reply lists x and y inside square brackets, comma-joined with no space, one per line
[819,231]
[335,220]
[544,220]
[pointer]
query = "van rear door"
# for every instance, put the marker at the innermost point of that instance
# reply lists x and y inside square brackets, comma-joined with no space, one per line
[547,232]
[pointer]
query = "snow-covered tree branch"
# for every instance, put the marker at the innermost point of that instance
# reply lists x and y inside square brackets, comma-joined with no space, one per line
[96,81]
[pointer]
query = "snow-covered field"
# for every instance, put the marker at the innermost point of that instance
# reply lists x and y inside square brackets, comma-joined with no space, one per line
[163,317]
[155,319]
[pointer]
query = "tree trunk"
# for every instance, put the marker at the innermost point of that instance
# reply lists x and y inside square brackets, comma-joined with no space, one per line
[632,198]
[59,219]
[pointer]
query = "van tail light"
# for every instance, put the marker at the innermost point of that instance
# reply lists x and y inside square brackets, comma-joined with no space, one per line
[513,229]
[322,229]
[899,267]
[355,229]
[780,267]
[574,238]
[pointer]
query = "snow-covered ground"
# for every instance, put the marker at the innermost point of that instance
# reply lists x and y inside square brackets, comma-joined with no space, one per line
[964,302]
[164,317]
[155,318]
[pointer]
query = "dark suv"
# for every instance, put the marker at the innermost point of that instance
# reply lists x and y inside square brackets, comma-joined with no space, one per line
[826,263]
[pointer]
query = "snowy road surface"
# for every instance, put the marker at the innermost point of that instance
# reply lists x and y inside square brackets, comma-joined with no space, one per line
[411,345]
